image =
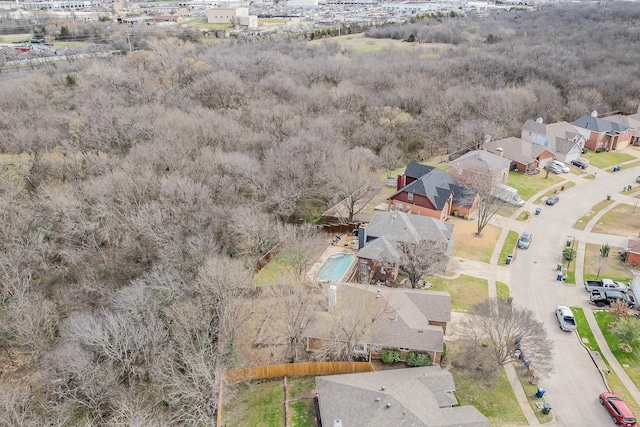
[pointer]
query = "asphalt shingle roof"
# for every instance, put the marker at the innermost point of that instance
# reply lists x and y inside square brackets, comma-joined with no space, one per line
[412,397]
[599,125]
[482,161]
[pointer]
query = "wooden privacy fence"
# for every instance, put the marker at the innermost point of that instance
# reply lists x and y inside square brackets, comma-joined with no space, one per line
[295,369]
[338,228]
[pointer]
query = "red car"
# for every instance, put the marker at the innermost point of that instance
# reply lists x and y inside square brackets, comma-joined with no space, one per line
[618,409]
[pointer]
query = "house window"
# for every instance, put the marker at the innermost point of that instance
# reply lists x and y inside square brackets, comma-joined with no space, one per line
[410,197]
[403,349]
[398,206]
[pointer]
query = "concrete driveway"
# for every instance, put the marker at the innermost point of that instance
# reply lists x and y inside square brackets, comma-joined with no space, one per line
[573,387]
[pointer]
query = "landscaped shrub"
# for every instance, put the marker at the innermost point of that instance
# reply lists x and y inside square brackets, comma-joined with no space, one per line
[390,355]
[418,358]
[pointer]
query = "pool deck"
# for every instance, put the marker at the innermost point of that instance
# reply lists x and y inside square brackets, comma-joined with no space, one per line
[347,244]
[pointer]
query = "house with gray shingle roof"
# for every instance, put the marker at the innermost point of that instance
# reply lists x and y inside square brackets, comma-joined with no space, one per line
[379,251]
[371,318]
[602,134]
[430,191]
[525,157]
[421,397]
[631,121]
[561,138]
[480,166]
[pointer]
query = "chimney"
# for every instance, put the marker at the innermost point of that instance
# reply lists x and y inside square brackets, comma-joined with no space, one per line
[499,151]
[487,138]
[594,113]
[402,181]
[540,120]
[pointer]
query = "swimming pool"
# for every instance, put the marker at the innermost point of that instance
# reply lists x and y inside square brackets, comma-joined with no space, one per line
[335,267]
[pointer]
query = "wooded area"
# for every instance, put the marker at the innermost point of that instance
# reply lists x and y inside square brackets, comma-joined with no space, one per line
[138,191]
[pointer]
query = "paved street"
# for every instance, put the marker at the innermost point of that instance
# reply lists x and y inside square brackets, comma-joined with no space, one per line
[575,384]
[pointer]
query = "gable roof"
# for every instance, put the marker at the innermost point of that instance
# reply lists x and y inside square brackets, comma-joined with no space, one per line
[633,245]
[407,228]
[402,320]
[596,124]
[512,149]
[482,161]
[388,398]
[434,184]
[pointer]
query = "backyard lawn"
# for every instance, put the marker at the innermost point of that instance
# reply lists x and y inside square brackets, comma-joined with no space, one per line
[255,404]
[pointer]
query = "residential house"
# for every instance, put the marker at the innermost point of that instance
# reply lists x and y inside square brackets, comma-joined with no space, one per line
[631,121]
[633,252]
[427,190]
[370,318]
[421,397]
[602,134]
[525,157]
[561,138]
[480,166]
[379,253]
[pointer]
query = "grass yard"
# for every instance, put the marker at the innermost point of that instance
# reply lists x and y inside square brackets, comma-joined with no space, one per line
[466,245]
[556,191]
[509,246]
[495,401]
[604,317]
[271,273]
[502,290]
[606,159]
[622,220]
[303,413]
[465,291]
[360,43]
[584,220]
[256,404]
[528,186]
[10,38]
[584,331]
[613,267]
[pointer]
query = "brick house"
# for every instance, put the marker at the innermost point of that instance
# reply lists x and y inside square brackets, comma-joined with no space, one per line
[602,134]
[633,252]
[405,319]
[427,190]
[378,242]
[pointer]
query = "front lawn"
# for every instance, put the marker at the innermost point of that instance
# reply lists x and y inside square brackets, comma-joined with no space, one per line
[465,291]
[606,159]
[502,290]
[466,245]
[528,186]
[584,220]
[622,220]
[495,400]
[632,360]
[612,267]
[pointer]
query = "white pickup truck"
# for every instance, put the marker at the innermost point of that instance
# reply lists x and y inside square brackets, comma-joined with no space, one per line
[604,285]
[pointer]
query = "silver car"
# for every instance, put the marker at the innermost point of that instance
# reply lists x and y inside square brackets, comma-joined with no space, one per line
[525,240]
[565,318]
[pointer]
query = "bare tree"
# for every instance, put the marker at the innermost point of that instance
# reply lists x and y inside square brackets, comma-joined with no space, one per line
[423,258]
[505,327]
[301,249]
[354,181]
[483,194]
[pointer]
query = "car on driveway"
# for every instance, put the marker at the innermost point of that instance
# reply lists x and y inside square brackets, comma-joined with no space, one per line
[565,318]
[618,410]
[580,164]
[564,168]
[525,240]
[556,169]
[552,200]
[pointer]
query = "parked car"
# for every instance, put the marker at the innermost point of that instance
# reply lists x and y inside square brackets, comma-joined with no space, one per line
[556,169]
[552,200]
[562,166]
[638,179]
[565,318]
[525,240]
[580,164]
[619,410]
[602,298]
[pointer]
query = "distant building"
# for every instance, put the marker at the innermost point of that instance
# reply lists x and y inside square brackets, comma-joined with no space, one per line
[237,15]
[302,3]
[411,7]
